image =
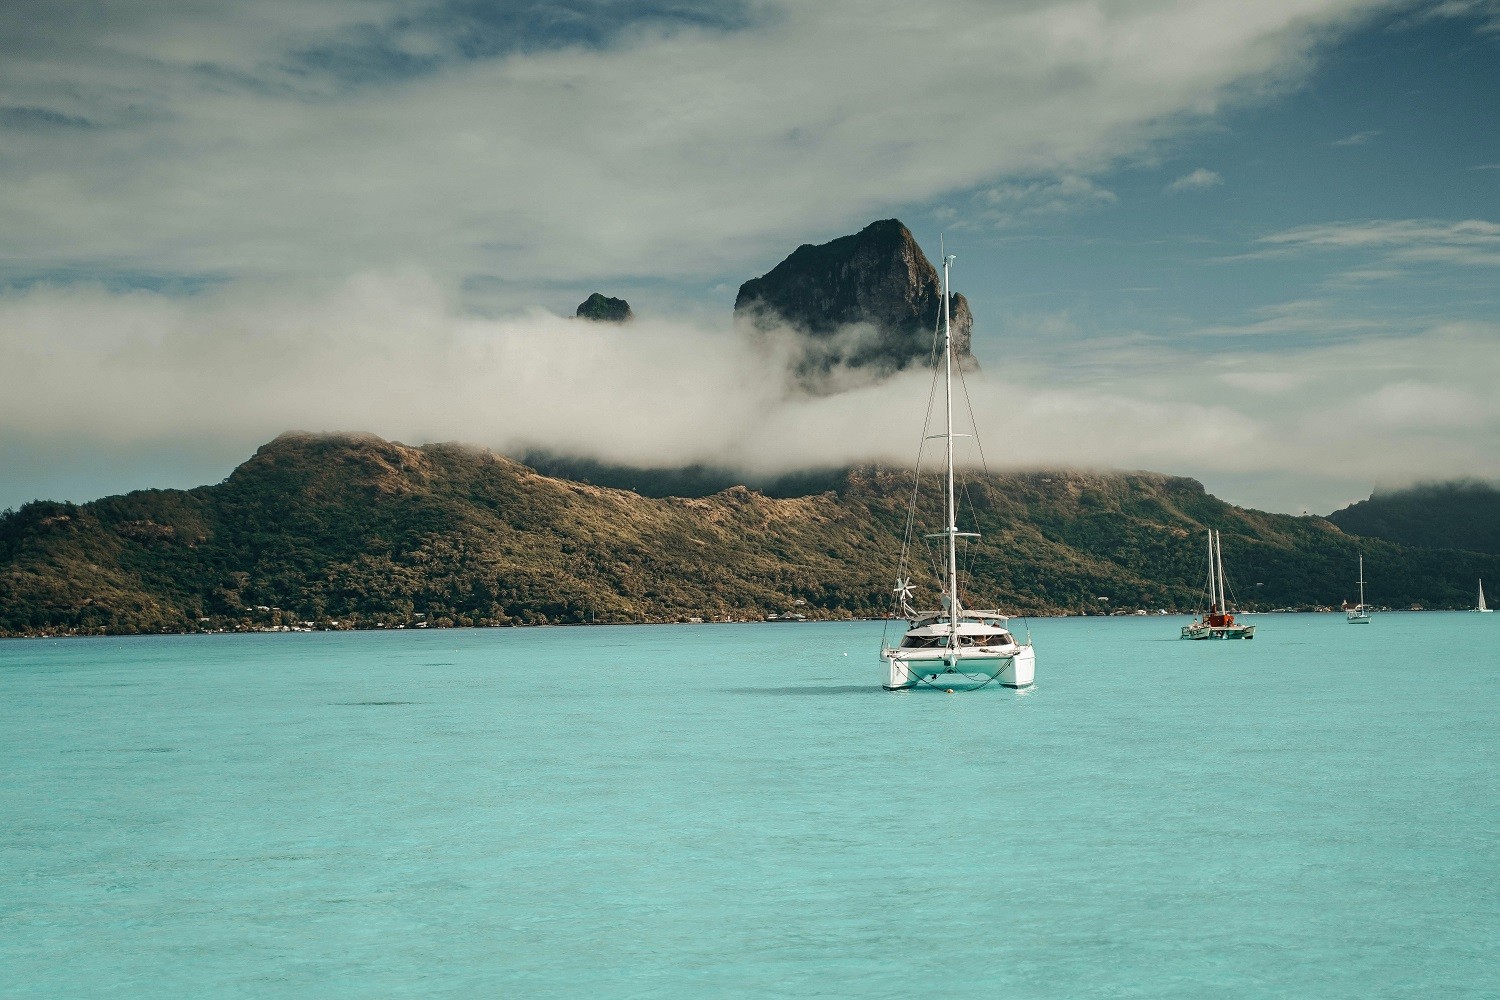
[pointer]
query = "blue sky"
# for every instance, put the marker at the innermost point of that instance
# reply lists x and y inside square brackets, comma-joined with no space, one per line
[1255,244]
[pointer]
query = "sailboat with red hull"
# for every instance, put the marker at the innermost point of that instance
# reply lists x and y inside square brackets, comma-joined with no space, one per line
[1218,622]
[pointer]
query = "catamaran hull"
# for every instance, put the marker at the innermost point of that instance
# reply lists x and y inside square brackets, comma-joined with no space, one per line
[1222,632]
[905,672]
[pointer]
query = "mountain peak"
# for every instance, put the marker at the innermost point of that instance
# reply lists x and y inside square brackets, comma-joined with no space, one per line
[603,308]
[870,300]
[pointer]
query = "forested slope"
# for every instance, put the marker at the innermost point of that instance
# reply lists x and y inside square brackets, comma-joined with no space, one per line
[354,530]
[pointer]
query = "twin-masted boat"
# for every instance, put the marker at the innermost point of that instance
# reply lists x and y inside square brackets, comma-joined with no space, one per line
[953,648]
[1217,623]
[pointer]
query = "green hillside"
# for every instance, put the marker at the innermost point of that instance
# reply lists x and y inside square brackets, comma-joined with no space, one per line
[358,531]
[1455,515]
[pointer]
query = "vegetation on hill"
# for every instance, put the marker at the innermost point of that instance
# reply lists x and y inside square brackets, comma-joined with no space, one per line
[603,308]
[354,531]
[1455,515]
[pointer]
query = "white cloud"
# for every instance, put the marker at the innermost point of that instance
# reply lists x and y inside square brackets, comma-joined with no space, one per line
[386,353]
[1007,203]
[1299,319]
[1486,12]
[1417,406]
[1471,242]
[1357,276]
[1266,382]
[392,354]
[1199,180]
[667,152]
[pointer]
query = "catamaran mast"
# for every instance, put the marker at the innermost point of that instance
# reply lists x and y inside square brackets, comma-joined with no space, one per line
[1213,591]
[1219,563]
[952,531]
[1223,588]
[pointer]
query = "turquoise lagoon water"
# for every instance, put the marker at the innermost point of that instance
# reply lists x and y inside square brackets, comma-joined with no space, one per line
[739,810]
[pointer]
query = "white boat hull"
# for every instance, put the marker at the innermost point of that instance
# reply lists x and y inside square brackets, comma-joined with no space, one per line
[906,670]
[1358,618]
[1200,631]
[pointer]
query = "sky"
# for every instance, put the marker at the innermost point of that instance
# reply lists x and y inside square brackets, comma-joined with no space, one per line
[1256,244]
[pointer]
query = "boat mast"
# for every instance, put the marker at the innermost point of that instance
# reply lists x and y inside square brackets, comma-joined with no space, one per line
[1213,591]
[1219,563]
[1361,583]
[952,531]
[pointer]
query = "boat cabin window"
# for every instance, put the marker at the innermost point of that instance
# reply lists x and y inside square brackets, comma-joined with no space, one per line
[988,639]
[941,641]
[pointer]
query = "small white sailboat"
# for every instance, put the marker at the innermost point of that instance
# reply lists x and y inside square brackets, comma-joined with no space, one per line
[1360,613]
[1217,623]
[954,648]
[1482,606]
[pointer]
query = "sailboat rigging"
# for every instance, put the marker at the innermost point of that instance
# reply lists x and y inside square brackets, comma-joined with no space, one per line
[952,648]
[1360,613]
[1217,623]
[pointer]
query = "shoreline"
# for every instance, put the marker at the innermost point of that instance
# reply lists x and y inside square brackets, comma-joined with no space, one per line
[428,627]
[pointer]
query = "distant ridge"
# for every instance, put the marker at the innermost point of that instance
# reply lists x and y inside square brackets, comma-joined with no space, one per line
[1462,514]
[349,530]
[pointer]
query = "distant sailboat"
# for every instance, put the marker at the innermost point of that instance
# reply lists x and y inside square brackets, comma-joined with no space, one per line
[1217,623]
[1482,606]
[1360,614]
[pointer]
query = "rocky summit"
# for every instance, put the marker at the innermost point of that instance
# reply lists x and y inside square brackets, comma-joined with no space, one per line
[605,309]
[868,301]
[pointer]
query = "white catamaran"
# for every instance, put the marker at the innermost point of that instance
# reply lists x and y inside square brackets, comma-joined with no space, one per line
[1360,613]
[1482,606]
[1218,623]
[955,648]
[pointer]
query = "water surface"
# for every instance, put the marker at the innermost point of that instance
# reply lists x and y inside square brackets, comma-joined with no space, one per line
[739,810]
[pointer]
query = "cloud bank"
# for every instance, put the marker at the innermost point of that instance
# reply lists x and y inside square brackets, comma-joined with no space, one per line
[393,354]
[328,138]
